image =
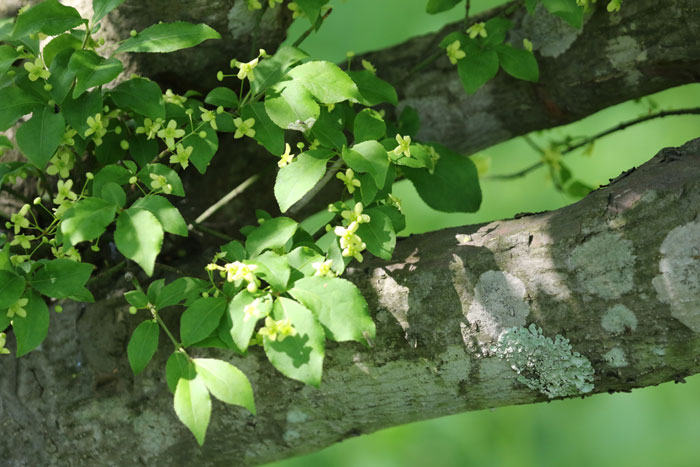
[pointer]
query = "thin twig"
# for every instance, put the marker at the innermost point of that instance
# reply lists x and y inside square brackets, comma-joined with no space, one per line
[107,272]
[212,232]
[226,199]
[587,141]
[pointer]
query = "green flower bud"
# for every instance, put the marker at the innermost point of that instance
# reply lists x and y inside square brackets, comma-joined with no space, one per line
[95,248]
[118,130]
[58,309]
[133,180]
[89,175]
[219,110]
[202,134]
[133,33]
[37,200]
[124,144]
[133,310]
[48,87]
[220,76]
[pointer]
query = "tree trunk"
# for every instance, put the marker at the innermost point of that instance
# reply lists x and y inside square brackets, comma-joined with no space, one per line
[618,274]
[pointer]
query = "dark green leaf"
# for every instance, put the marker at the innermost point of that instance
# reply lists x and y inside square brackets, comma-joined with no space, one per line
[329,131]
[368,157]
[61,278]
[200,319]
[299,177]
[378,234]
[114,194]
[193,406]
[78,110]
[203,148]
[271,70]
[497,29]
[267,132]
[141,95]
[170,175]
[184,288]
[338,305]
[49,17]
[234,250]
[303,258]
[142,345]
[87,219]
[270,235]
[299,357]
[11,288]
[518,63]
[8,55]
[15,102]
[167,214]
[109,174]
[92,70]
[142,149]
[568,10]
[102,7]
[61,78]
[168,37]
[368,125]
[373,90]
[409,122]
[178,366]
[59,44]
[154,290]
[31,330]
[226,382]
[368,190]
[311,8]
[478,67]
[530,5]
[452,187]
[577,189]
[139,237]
[398,220]
[221,96]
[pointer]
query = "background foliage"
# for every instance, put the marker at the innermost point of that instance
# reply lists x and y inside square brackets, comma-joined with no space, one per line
[654,426]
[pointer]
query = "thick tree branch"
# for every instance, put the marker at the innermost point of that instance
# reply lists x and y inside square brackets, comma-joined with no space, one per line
[618,274]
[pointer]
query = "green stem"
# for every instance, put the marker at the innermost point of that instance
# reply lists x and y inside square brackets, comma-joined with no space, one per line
[159,320]
[315,26]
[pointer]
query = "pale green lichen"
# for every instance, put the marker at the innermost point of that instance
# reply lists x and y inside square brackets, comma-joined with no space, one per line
[616,357]
[546,365]
[618,319]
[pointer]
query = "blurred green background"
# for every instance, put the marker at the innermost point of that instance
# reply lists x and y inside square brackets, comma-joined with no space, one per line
[657,426]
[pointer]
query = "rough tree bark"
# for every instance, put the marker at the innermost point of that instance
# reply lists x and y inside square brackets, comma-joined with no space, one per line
[618,274]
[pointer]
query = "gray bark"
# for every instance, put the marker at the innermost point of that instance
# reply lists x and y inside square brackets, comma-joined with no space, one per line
[618,274]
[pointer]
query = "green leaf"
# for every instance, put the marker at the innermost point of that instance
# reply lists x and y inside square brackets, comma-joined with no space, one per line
[109,174]
[272,234]
[409,122]
[31,330]
[338,305]
[49,17]
[226,382]
[86,220]
[299,357]
[368,125]
[518,63]
[59,44]
[477,67]
[102,7]
[298,178]
[92,70]
[139,237]
[200,319]
[311,8]
[184,288]
[530,5]
[141,95]
[271,70]
[274,269]
[398,220]
[291,106]
[234,250]
[142,345]
[373,90]
[11,288]
[452,187]
[378,234]
[136,298]
[497,28]
[170,175]
[203,148]
[8,55]
[328,129]
[154,290]
[326,82]
[368,157]
[568,10]
[168,37]
[14,103]
[316,222]
[61,78]
[577,189]
[437,6]
[221,96]
[267,132]
[178,366]
[113,194]
[302,259]
[61,278]
[193,406]
[242,329]
[167,214]
[78,110]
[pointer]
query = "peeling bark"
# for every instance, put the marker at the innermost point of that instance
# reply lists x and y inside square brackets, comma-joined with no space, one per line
[610,273]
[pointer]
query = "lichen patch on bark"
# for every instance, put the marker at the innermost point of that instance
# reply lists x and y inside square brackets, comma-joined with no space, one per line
[678,285]
[618,318]
[498,303]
